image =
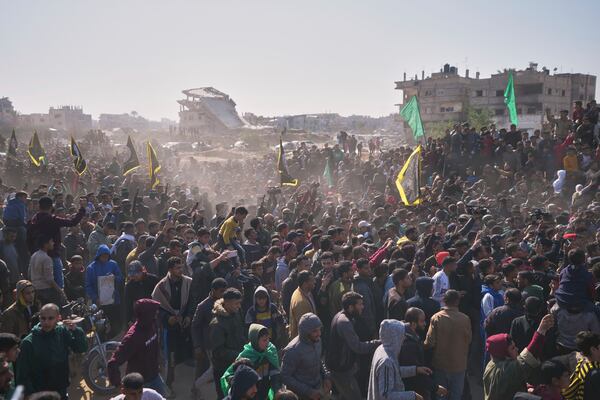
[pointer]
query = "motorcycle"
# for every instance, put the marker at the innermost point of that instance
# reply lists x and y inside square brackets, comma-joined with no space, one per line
[95,361]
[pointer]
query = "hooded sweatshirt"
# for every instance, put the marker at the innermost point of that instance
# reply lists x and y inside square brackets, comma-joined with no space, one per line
[97,269]
[265,363]
[422,299]
[17,318]
[385,379]
[139,347]
[269,317]
[301,368]
[244,378]
[15,213]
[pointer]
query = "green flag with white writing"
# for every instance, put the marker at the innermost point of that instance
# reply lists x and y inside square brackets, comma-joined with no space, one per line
[411,114]
[510,100]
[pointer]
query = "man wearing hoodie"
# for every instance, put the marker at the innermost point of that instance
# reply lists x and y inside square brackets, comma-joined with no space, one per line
[243,384]
[15,216]
[422,298]
[98,287]
[262,355]
[43,363]
[385,378]
[45,223]
[17,318]
[302,370]
[345,346]
[140,348]
[265,313]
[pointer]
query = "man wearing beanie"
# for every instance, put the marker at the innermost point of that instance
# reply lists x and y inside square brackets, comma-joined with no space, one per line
[243,384]
[508,371]
[17,318]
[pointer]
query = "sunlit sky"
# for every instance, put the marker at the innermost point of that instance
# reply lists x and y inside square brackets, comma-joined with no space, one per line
[273,57]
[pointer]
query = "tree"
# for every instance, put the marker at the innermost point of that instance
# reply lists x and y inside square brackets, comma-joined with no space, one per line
[478,118]
[438,129]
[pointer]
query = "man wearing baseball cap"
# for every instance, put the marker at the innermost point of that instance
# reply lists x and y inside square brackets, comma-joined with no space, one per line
[140,285]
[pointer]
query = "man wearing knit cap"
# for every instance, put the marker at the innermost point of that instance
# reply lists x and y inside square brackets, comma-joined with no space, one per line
[243,384]
[508,371]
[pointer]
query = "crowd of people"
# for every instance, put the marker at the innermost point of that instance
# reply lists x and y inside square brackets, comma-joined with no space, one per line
[330,289]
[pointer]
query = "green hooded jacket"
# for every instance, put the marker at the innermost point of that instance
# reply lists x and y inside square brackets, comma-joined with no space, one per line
[257,358]
[43,363]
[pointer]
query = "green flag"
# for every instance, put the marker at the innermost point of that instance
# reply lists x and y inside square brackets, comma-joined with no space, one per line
[411,114]
[510,100]
[328,173]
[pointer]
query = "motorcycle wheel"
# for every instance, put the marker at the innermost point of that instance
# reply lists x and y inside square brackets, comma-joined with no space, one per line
[95,371]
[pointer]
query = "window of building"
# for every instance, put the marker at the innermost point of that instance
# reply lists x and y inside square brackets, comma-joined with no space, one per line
[531,110]
[499,93]
[479,93]
[428,93]
[446,109]
[499,111]
[56,115]
[563,93]
[549,92]
[440,92]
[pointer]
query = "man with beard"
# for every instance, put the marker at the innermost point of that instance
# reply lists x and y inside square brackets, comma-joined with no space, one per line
[413,353]
[345,345]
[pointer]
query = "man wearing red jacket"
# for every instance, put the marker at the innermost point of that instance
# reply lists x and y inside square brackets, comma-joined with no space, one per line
[140,348]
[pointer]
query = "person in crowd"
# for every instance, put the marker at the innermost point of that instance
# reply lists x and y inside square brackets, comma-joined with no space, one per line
[396,302]
[385,379]
[243,384]
[139,348]
[132,388]
[102,282]
[43,363]
[282,271]
[101,237]
[263,358]
[441,280]
[41,272]
[45,224]
[302,301]
[585,380]
[555,379]
[20,317]
[227,333]
[200,327]
[229,231]
[265,313]
[140,285]
[75,279]
[449,336]
[500,318]
[363,284]
[10,348]
[173,294]
[6,376]
[508,370]
[422,298]
[302,369]
[345,345]
[338,288]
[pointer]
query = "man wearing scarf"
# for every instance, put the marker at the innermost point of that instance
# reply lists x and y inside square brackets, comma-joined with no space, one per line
[264,360]
[17,318]
[173,294]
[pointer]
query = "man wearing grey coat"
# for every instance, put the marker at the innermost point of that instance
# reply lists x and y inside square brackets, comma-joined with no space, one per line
[302,370]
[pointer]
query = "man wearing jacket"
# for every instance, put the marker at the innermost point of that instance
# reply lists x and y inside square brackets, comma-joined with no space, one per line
[301,368]
[140,348]
[45,223]
[43,363]
[449,336]
[17,318]
[345,346]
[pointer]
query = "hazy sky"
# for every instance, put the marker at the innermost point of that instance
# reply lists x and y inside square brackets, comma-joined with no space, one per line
[273,57]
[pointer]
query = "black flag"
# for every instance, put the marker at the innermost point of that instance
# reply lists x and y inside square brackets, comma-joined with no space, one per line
[78,161]
[284,176]
[132,162]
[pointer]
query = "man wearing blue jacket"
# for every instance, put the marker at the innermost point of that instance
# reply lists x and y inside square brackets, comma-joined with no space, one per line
[100,267]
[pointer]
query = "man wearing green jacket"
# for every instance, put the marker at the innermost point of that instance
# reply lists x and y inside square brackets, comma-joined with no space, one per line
[43,363]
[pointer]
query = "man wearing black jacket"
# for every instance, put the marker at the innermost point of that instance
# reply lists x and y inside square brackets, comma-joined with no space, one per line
[345,346]
[140,285]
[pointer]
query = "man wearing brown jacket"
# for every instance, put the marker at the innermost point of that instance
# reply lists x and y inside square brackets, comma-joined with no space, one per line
[449,336]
